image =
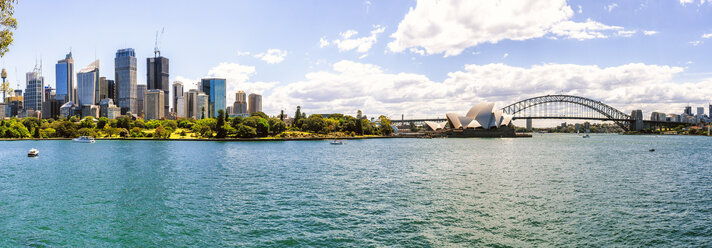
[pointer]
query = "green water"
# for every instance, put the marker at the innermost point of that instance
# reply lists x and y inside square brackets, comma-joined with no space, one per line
[550,190]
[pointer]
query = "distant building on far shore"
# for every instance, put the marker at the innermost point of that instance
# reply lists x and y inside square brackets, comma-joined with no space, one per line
[154,104]
[254,104]
[239,107]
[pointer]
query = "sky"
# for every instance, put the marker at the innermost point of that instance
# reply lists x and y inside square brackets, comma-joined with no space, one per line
[419,58]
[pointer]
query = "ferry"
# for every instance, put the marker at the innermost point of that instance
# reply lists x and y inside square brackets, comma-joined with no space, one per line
[33,153]
[84,139]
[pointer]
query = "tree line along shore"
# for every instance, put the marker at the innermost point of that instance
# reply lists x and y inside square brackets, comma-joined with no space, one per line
[256,126]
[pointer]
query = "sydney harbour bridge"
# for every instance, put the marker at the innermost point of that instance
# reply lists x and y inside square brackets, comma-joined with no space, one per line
[572,108]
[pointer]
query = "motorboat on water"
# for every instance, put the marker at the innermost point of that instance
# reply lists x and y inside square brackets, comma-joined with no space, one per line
[337,142]
[33,153]
[84,139]
[586,136]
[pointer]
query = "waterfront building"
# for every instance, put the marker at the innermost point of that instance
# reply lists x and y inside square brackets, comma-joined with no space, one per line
[125,76]
[87,80]
[215,89]
[140,95]
[191,99]
[113,112]
[102,90]
[157,78]
[64,79]
[154,104]
[202,105]
[177,93]
[480,116]
[34,91]
[240,105]
[180,107]
[254,104]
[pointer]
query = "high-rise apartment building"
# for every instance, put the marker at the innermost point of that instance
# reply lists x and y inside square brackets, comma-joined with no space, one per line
[240,105]
[64,76]
[87,81]
[125,76]
[34,91]
[191,98]
[215,89]
[254,103]
[140,95]
[154,104]
[177,93]
[157,78]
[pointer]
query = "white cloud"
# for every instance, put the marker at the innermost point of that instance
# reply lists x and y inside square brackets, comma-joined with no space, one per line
[350,86]
[416,50]
[323,42]
[707,36]
[684,2]
[363,56]
[449,27]
[241,53]
[650,32]
[361,44]
[626,33]
[582,30]
[505,55]
[695,42]
[580,9]
[272,56]
[611,6]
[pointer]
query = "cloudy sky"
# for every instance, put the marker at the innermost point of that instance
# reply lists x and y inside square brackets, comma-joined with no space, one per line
[418,58]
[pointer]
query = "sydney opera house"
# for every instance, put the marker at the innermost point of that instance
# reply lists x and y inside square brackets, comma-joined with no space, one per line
[480,121]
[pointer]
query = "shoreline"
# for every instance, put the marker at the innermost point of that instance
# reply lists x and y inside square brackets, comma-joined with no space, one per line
[215,139]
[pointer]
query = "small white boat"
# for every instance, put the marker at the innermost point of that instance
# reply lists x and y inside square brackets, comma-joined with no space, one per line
[586,136]
[337,142]
[33,153]
[84,139]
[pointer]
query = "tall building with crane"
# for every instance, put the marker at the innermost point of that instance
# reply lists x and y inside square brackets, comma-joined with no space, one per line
[157,73]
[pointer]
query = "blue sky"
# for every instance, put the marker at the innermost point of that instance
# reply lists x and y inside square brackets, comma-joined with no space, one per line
[418,58]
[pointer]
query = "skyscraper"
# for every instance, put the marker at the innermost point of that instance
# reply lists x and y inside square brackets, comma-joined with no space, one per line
[177,93]
[102,90]
[191,98]
[215,89]
[64,72]
[111,90]
[157,77]
[254,103]
[240,105]
[87,80]
[154,106]
[688,110]
[125,76]
[34,91]
[140,95]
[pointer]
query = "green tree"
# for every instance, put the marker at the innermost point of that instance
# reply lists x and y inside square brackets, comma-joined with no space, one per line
[87,122]
[315,123]
[31,122]
[86,132]
[66,129]
[359,124]
[7,23]
[235,122]
[297,116]
[385,128]
[102,122]
[260,114]
[276,126]
[244,131]
[37,133]
[221,132]
[202,111]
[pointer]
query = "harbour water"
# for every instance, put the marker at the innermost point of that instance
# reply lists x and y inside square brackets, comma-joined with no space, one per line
[549,190]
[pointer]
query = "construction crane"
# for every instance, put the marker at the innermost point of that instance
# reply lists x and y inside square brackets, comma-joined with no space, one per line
[5,88]
[156,51]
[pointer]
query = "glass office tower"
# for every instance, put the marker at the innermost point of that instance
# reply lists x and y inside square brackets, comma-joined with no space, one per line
[215,88]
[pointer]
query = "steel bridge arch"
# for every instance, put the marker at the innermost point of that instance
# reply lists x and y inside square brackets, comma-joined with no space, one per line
[610,113]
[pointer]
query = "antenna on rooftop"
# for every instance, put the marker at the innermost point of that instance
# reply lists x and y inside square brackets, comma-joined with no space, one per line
[156,51]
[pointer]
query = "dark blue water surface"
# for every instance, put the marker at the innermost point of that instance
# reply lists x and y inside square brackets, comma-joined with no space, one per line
[550,190]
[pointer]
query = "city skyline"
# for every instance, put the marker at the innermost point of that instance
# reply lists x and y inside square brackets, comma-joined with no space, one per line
[616,52]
